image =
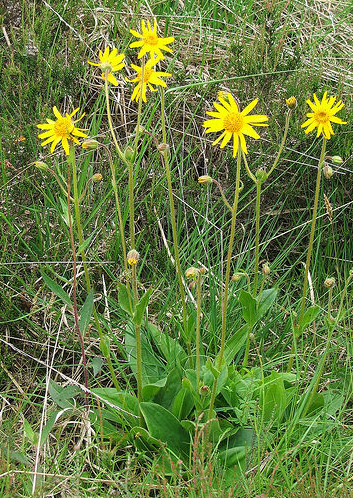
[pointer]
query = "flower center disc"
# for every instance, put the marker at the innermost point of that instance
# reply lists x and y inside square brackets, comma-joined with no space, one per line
[151,39]
[63,127]
[233,122]
[321,117]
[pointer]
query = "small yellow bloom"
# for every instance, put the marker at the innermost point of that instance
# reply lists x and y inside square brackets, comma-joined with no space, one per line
[235,124]
[322,116]
[150,41]
[62,130]
[291,102]
[110,63]
[133,257]
[150,77]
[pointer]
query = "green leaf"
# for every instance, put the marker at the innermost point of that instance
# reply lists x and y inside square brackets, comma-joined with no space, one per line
[125,299]
[234,344]
[54,417]
[183,404]
[141,307]
[85,244]
[96,363]
[32,436]
[63,396]
[273,398]
[65,211]
[163,425]
[57,289]
[308,317]
[86,313]
[169,347]
[249,307]
[265,301]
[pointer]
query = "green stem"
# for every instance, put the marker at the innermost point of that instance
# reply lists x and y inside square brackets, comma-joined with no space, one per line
[165,156]
[226,282]
[282,143]
[257,236]
[247,348]
[308,257]
[139,112]
[138,345]
[72,161]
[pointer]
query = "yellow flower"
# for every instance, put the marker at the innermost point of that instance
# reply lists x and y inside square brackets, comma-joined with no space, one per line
[291,102]
[133,257]
[150,77]
[63,129]
[150,41]
[110,62]
[234,123]
[322,116]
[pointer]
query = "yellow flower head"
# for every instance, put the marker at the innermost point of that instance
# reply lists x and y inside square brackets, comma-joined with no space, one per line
[322,116]
[150,41]
[62,130]
[235,124]
[150,77]
[132,257]
[110,63]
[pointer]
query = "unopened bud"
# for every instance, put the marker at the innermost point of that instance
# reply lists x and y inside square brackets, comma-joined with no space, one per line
[204,390]
[204,179]
[329,282]
[291,102]
[191,272]
[129,153]
[337,160]
[261,174]
[133,257]
[140,129]
[236,277]
[90,144]
[40,165]
[328,172]
[252,337]
[266,269]
[163,147]
[97,177]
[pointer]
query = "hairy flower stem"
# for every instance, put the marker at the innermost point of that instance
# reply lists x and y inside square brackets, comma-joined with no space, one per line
[226,282]
[257,235]
[310,247]
[129,166]
[117,204]
[198,322]
[72,163]
[138,345]
[165,155]
[74,284]
[139,112]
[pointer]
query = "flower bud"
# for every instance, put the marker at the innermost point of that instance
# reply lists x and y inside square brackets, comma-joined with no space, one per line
[129,154]
[191,272]
[236,277]
[266,269]
[163,147]
[252,337]
[261,174]
[204,179]
[40,165]
[133,257]
[204,390]
[90,144]
[202,270]
[97,177]
[337,160]
[329,282]
[140,129]
[291,102]
[328,172]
